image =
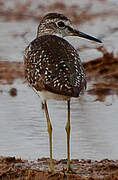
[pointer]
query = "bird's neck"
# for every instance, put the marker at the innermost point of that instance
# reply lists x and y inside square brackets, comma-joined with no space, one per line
[47,31]
[42,30]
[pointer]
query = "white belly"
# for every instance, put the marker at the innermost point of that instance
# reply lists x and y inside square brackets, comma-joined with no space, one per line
[45,95]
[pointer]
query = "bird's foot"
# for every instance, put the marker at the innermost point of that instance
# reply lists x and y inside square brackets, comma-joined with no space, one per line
[70,170]
[51,170]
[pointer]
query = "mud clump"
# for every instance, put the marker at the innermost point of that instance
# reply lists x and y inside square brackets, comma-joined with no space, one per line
[13,92]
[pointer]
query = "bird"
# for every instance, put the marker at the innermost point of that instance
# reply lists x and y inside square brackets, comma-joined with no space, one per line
[53,68]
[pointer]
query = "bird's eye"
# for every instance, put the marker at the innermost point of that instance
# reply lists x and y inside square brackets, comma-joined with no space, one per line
[61,24]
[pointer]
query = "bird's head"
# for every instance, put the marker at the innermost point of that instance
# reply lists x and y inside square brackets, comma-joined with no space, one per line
[54,23]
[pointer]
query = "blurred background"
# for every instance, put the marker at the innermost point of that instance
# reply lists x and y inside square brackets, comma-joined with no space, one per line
[94,117]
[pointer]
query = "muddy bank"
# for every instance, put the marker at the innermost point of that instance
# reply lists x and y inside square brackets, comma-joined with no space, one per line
[17,169]
[103,75]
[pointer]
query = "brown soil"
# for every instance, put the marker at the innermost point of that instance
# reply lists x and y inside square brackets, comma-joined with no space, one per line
[17,169]
[103,72]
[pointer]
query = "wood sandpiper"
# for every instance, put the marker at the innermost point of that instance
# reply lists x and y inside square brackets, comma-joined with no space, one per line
[53,67]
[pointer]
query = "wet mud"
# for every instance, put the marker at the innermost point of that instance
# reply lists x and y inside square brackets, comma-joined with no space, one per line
[103,72]
[9,71]
[18,169]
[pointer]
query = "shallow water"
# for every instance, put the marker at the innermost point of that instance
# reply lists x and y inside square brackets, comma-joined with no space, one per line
[23,131]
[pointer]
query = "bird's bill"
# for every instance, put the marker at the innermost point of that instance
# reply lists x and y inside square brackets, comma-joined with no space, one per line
[74,32]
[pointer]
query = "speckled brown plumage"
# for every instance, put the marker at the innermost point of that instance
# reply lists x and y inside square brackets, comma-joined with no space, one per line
[52,64]
[53,67]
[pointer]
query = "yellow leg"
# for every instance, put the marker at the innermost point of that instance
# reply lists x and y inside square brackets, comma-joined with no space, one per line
[68,137]
[50,134]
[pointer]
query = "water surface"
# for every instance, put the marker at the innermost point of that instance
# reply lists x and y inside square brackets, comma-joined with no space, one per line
[23,126]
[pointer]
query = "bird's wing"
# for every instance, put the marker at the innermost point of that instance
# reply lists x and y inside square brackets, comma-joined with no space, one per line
[52,64]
